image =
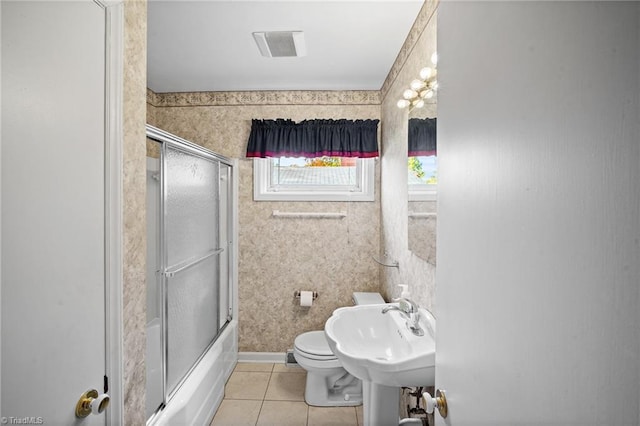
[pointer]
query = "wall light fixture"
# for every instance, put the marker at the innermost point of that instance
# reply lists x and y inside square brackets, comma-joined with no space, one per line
[423,88]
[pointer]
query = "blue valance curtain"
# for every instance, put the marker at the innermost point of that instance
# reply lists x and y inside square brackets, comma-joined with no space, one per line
[313,138]
[422,137]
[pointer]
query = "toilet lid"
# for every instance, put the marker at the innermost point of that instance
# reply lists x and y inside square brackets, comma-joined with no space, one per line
[314,343]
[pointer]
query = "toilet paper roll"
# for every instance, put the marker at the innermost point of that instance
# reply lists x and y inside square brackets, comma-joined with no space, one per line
[306,298]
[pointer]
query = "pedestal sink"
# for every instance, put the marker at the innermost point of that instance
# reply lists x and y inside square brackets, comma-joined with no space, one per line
[384,353]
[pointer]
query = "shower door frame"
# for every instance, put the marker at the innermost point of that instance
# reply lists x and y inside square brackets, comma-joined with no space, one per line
[167,139]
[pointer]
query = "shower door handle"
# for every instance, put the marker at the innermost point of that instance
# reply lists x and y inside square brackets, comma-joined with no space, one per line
[170,272]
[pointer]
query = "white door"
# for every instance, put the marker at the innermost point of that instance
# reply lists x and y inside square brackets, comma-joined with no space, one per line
[53,209]
[538,207]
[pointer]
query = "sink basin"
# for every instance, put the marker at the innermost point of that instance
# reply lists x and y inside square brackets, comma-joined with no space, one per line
[380,348]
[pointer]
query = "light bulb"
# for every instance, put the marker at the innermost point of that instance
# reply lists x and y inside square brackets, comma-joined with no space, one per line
[408,94]
[428,94]
[434,58]
[403,103]
[418,104]
[417,84]
[425,73]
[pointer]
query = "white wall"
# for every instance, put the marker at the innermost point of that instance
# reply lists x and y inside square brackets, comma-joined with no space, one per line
[538,212]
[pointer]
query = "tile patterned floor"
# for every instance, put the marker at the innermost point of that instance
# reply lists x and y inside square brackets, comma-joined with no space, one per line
[259,394]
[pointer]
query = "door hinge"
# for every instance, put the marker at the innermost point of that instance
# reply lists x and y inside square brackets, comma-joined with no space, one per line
[106,384]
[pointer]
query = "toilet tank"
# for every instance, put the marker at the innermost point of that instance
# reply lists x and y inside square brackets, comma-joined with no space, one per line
[366,298]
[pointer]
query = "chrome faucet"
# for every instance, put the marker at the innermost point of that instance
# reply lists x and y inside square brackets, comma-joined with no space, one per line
[410,310]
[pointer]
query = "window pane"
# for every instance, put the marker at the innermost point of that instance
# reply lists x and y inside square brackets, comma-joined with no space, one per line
[423,170]
[331,171]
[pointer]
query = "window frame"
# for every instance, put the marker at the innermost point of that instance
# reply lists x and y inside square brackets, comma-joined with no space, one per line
[265,190]
[424,192]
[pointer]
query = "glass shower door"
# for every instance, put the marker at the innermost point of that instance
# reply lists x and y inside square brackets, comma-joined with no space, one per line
[191,258]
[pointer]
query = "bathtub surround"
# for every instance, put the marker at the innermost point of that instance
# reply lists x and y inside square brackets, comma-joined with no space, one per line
[278,256]
[195,197]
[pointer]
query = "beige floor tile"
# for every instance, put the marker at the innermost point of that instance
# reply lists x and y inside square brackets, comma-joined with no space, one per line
[360,414]
[235,412]
[283,413]
[246,385]
[283,368]
[332,416]
[286,387]
[254,366]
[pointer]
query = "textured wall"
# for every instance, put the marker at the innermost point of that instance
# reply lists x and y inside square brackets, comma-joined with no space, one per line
[417,272]
[134,238]
[151,108]
[278,256]
[422,231]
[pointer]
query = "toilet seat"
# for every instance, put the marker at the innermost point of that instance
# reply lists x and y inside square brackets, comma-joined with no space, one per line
[314,345]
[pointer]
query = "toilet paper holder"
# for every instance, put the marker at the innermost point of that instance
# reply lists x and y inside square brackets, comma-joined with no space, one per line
[296,294]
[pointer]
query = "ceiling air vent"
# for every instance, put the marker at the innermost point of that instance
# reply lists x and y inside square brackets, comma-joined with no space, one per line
[278,44]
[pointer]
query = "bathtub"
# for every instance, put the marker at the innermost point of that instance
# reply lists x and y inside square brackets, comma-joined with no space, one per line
[197,400]
[154,373]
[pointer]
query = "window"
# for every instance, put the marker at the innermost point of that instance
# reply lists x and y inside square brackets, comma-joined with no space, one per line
[423,178]
[313,179]
[423,161]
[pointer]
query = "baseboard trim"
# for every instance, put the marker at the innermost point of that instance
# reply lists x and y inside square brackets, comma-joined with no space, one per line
[266,357]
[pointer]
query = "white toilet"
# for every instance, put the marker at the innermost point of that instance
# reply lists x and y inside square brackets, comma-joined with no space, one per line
[328,384]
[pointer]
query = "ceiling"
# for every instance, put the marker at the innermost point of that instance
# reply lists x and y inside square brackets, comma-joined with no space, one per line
[207,45]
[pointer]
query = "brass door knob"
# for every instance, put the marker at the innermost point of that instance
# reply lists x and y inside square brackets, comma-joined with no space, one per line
[439,402]
[91,402]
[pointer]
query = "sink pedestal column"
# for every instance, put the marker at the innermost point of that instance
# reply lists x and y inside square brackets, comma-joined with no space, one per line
[380,404]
